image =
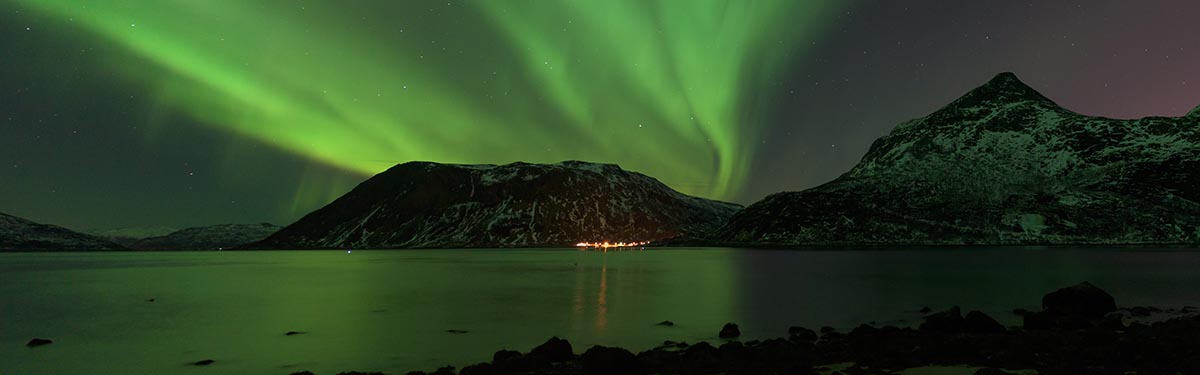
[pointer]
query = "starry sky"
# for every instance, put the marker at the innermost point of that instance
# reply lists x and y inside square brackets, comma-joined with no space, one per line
[182,113]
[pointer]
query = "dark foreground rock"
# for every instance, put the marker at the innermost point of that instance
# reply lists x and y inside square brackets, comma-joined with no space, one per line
[1084,300]
[945,338]
[729,331]
[39,342]
[1075,307]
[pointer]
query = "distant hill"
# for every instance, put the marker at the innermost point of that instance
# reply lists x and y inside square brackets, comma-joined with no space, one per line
[1001,165]
[213,237]
[17,234]
[423,205]
[130,235]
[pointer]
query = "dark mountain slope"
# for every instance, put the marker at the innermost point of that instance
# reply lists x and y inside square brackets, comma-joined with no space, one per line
[421,204]
[213,237]
[24,235]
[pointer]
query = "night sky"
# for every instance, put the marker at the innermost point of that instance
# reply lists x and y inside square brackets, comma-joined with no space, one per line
[183,113]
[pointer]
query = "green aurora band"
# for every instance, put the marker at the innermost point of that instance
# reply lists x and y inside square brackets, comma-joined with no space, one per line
[666,87]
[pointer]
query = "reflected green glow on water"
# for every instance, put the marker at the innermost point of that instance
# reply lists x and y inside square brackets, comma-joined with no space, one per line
[390,311]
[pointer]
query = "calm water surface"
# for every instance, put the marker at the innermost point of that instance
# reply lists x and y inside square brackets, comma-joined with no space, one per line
[389,310]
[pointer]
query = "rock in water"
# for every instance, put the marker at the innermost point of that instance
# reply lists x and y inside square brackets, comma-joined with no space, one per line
[729,331]
[430,205]
[1001,165]
[1084,300]
[39,342]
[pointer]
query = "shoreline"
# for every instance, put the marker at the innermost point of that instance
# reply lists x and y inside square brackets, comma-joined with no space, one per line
[1079,331]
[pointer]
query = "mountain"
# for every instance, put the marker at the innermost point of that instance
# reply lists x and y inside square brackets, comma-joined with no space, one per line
[24,235]
[127,236]
[430,205]
[213,237]
[1001,165]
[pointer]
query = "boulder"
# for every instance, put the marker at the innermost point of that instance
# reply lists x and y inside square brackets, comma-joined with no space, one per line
[478,369]
[554,350]
[1084,299]
[502,356]
[949,321]
[700,357]
[603,360]
[1144,310]
[511,361]
[729,331]
[1114,321]
[801,334]
[978,322]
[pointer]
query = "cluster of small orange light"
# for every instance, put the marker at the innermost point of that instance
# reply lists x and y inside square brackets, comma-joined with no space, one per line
[606,244]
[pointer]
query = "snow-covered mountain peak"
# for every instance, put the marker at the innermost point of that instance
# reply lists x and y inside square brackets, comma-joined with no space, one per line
[1003,90]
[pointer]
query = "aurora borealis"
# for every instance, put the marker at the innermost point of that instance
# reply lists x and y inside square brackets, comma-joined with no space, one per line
[235,111]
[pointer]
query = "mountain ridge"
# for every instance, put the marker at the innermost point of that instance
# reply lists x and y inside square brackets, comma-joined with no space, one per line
[1000,165]
[433,205]
[18,234]
[209,237]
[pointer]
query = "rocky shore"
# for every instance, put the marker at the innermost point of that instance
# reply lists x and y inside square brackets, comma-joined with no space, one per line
[1080,330]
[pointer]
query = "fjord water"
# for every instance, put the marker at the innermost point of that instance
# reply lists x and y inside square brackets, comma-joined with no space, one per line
[390,310]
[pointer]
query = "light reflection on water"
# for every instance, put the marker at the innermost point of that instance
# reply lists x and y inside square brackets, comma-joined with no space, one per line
[389,310]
